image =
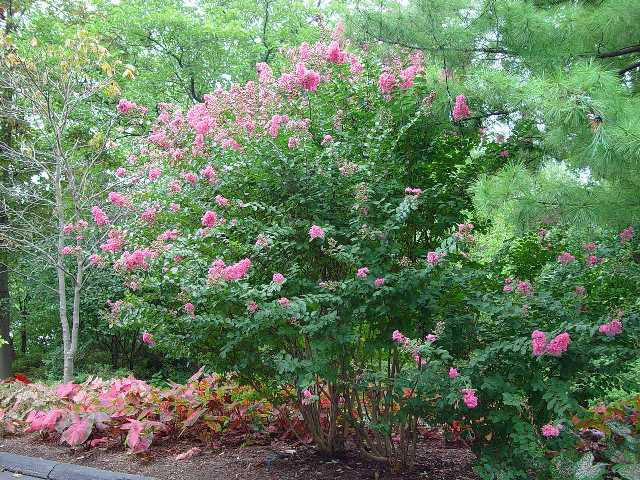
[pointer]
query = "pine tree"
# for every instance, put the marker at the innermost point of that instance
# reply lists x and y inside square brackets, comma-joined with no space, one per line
[567,71]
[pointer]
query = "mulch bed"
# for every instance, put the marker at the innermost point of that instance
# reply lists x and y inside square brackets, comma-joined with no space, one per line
[436,461]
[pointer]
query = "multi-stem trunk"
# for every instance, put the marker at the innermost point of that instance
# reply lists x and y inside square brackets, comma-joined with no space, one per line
[68,352]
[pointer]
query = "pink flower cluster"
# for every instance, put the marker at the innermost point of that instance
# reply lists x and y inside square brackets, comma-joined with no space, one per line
[99,216]
[469,398]
[612,328]
[378,282]
[168,235]
[147,338]
[464,232]
[461,109]
[236,271]
[278,278]
[118,199]
[626,234]
[550,430]
[453,373]
[555,347]
[413,191]
[209,219]
[316,232]
[565,258]
[433,258]
[135,260]
[115,241]
[362,272]
[125,106]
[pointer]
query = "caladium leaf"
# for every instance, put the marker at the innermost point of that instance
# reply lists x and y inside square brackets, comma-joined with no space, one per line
[77,433]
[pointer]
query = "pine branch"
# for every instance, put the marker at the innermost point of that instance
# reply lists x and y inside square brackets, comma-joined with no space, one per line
[621,51]
[628,68]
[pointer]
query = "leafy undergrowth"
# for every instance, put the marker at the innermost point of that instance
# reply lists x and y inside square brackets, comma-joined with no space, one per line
[131,413]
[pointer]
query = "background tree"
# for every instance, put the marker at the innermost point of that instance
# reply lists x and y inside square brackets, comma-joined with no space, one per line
[569,70]
[60,165]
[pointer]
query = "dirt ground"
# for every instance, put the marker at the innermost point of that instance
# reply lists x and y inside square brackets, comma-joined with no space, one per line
[435,462]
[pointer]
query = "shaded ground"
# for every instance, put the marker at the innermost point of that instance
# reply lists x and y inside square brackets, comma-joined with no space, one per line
[435,462]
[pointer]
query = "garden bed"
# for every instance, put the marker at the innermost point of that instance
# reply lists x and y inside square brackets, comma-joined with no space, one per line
[279,461]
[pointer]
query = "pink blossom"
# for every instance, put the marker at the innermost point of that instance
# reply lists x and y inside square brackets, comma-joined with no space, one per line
[559,344]
[378,282]
[362,272]
[68,228]
[118,199]
[168,235]
[407,75]
[430,338]
[115,241]
[461,109]
[210,173]
[284,302]
[355,67]
[175,187]
[154,173]
[542,233]
[148,339]
[95,259]
[326,140]
[590,246]
[221,201]
[293,142]
[611,329]
[237,270]
[69,250]
[307,396]
[209,219]
[252,307]
[230,143]
[626,234]
[174,207]
[278,278]
[420,362]
[149,215]
[580,290]
[316,232]
[386,82]
[121,172]
[189,308]
[469,397]
[565,258]
[308,79]
[592,260]
[334,54]
[132,159]
[524,287]
[124,106]
[507,288]
[433,258]
[504,153]
[135,260]
[538,343]
[550,430]
[190,177]
[398,337]
[453,373]
[413,191]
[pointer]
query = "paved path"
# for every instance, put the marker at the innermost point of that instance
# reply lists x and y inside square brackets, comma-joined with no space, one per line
[28,468]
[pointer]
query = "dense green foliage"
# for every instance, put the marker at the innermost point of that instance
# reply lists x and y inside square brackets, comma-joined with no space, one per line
[307,226]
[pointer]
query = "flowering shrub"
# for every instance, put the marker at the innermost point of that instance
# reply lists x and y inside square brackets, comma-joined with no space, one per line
[299,220]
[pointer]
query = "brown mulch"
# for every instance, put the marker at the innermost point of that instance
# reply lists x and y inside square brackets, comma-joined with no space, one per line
[435,461]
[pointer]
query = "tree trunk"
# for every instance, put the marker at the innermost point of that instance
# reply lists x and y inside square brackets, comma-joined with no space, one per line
[67,370]
[6,128]
[6,352]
